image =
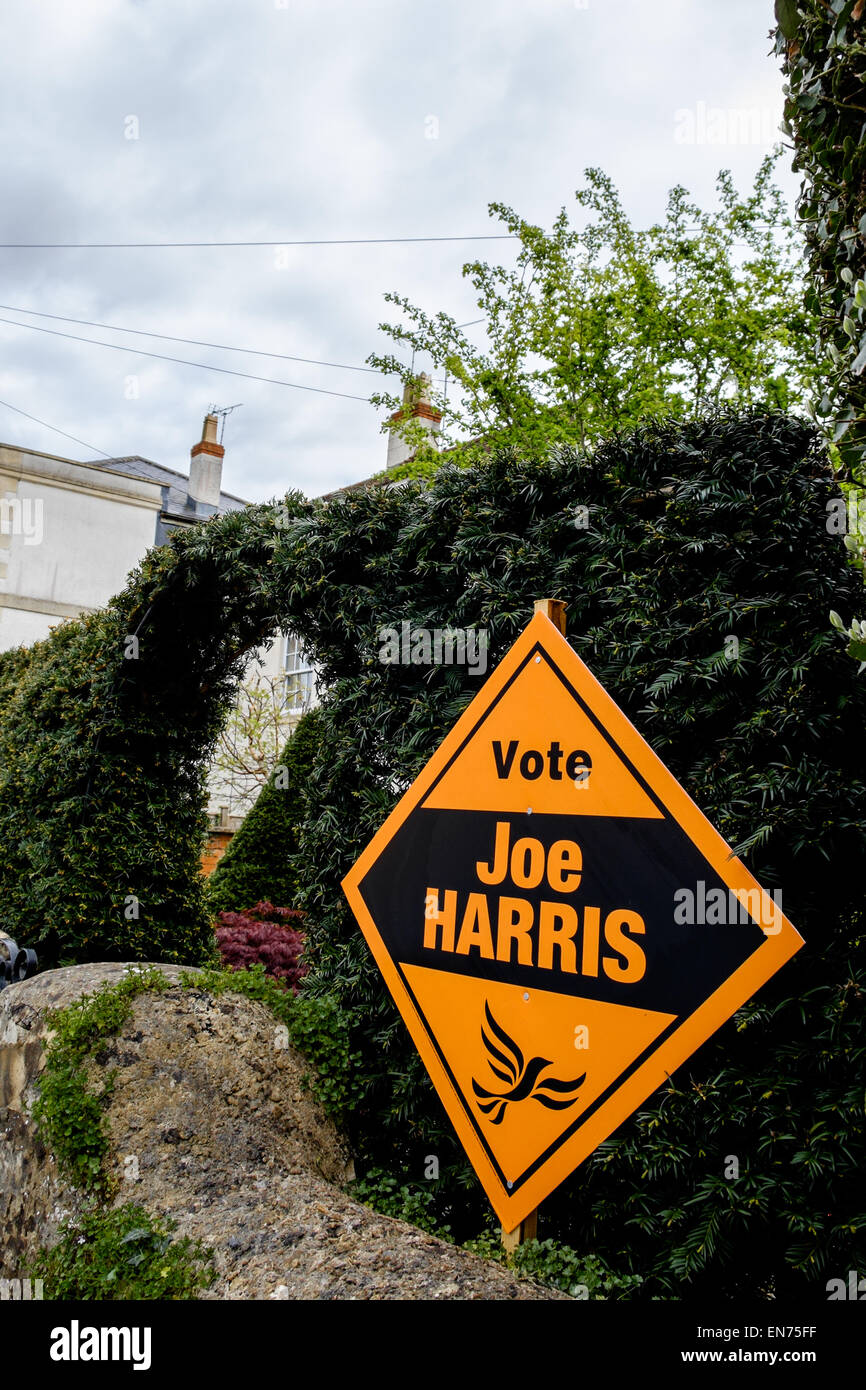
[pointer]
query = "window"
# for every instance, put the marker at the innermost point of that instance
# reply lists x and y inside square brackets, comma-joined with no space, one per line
[300,688]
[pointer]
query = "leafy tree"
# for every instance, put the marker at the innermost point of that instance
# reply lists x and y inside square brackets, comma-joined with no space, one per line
[592,330]
[257,863]
[250,741]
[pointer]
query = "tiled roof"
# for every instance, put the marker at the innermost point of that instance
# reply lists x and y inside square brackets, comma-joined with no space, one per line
[176,501]
[376,481]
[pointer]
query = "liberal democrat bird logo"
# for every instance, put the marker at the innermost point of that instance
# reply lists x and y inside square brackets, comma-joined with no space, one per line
[507,1062]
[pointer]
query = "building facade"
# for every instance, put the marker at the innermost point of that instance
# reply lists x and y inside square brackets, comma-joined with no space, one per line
[71,532]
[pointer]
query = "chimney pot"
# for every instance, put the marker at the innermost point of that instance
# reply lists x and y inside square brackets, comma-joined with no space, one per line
[417,404]
[206,465]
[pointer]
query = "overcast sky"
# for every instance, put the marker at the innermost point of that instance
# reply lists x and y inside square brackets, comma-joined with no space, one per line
[289,119]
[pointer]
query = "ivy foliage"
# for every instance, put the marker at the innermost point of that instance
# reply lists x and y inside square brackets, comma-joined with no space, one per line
[412,1202]
[256,864]
[69,1115]
[550,1262]
[823,50]
[103,1252]
[124,1254]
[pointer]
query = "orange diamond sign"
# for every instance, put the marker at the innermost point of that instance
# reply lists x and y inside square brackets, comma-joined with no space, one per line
[559,924]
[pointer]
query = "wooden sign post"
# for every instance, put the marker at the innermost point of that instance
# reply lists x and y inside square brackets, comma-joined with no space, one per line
[554,609]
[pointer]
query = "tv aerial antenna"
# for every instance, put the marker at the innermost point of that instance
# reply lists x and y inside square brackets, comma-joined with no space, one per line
[222,411]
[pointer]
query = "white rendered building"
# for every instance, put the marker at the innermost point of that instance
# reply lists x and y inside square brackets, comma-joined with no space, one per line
[71,532]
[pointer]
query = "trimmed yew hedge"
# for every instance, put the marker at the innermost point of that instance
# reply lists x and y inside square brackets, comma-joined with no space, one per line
[697,532]
[104,749]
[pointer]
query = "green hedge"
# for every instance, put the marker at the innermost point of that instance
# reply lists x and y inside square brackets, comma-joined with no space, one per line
[697,532]
[104,750]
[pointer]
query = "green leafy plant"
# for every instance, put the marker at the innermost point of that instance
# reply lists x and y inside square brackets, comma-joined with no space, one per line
[550,1262]
[69,1114]
[822,46]
[123,1254]
[856,635]
[412,1202]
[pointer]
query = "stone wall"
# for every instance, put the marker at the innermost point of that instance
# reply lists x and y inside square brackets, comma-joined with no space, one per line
[211,1124]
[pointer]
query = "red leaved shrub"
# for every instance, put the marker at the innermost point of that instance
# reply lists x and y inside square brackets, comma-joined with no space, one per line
[265,935]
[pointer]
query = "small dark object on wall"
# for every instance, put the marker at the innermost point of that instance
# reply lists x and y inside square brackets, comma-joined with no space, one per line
[15,964]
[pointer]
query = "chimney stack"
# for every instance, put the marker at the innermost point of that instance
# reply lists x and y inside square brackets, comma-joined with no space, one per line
[206,465]
[416,406]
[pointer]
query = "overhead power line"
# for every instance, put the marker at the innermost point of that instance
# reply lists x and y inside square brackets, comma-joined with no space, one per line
[183,361]
[92,447]
[310,241]
[200,245]
[191,342]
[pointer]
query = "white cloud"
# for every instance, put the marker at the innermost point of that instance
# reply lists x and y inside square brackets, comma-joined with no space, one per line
[260,122]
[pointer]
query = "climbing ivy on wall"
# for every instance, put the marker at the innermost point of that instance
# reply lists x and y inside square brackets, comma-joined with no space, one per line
[823,50]
[822,44]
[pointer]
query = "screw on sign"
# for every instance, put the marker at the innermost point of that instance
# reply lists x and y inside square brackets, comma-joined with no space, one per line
[523,901]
